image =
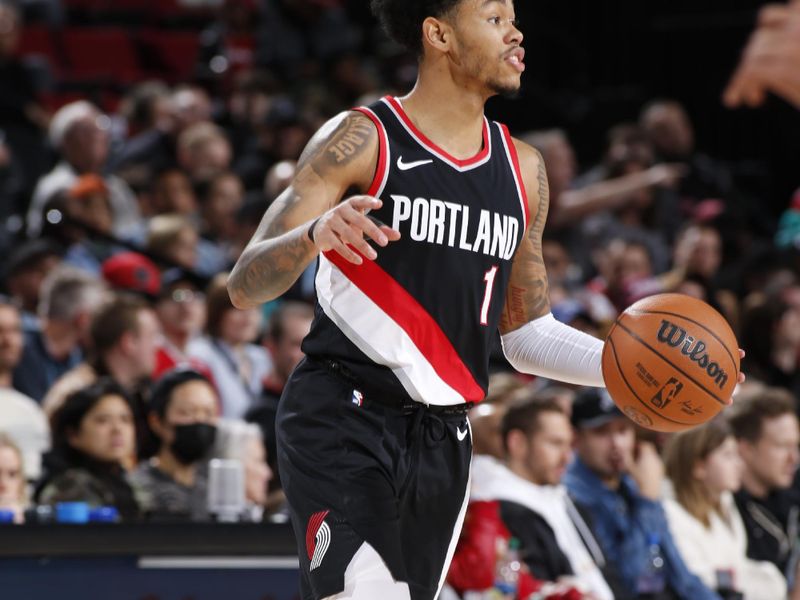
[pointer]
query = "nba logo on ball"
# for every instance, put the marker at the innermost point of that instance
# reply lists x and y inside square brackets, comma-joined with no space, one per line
[670,362]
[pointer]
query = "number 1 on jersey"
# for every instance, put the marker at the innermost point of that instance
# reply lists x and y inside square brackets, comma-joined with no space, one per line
[488,277]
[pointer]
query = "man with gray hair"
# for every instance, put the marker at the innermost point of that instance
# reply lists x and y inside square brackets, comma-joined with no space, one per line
[79,133]
[69,299]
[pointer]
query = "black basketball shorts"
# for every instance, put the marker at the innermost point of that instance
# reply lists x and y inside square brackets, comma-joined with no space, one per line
[356,469]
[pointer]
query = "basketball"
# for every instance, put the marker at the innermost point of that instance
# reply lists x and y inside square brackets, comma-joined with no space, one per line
[670,362]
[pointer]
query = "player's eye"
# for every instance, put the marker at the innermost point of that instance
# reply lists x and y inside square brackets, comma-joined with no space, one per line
[494,20]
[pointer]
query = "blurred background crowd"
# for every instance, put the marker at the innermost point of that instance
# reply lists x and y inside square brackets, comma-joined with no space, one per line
[142,141]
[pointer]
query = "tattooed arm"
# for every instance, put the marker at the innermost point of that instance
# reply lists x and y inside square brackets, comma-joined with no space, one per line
[527,295]
[533,341]
[342,155]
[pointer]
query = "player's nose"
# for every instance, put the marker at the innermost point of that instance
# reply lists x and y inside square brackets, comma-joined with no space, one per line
[515,36]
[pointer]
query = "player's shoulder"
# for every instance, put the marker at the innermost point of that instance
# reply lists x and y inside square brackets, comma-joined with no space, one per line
[529,157]
[352,124]
[347,143]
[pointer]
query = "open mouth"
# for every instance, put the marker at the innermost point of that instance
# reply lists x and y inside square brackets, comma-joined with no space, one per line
[516,59]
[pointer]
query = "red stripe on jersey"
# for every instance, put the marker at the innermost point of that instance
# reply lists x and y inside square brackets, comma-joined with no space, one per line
[512,149]
[432,146]
[383,152]
[418,324]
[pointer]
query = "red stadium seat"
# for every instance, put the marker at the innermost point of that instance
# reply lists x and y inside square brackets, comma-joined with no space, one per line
[171,52]
[38,40]
[102,53]
[169,9]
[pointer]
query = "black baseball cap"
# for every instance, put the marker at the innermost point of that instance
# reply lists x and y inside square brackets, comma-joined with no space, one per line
[29,253]
[593,407]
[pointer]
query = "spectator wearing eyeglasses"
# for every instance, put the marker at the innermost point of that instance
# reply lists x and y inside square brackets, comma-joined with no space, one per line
[181,310]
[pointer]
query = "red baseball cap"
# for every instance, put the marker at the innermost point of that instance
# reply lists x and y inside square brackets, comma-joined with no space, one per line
[133,272]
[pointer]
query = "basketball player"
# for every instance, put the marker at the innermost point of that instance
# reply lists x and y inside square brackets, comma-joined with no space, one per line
[427,221]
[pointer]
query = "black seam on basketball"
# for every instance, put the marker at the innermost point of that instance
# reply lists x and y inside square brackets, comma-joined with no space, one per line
[672,314]
[672,364]
[635,395]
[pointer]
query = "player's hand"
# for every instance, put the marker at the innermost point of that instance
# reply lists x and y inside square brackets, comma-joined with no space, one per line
[771,60]
[741,377]
[345,228]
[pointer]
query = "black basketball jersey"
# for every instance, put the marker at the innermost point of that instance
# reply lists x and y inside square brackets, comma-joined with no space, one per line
[418,322]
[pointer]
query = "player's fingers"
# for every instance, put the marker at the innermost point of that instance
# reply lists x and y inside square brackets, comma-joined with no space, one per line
[351,233]
[368,226]
[341,248]
[391,234]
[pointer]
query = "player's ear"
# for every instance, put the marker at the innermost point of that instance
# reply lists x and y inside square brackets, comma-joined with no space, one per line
[437,34]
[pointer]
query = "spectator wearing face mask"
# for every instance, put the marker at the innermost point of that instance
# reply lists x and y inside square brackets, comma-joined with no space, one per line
[183,416]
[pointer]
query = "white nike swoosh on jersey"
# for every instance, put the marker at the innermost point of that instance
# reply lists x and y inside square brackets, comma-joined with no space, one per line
[461,434]
[406,166]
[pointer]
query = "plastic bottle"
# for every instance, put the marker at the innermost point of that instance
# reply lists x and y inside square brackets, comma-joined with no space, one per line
[652,580]
[6,517]
[506,571]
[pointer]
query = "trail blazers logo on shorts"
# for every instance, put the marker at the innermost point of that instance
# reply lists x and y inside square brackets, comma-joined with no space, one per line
[318,538]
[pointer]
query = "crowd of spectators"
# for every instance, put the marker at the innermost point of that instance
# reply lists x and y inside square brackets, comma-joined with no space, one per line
[124,367]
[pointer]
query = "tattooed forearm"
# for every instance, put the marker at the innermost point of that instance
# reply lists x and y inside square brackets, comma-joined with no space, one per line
[276,267]
[337,158]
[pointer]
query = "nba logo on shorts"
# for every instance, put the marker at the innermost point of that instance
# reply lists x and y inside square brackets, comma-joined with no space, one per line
[358,398]
[318,538]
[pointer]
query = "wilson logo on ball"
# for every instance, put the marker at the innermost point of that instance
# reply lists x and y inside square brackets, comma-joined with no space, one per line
[694,349]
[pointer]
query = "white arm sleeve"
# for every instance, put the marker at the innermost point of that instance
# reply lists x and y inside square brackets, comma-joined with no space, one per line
[548,348]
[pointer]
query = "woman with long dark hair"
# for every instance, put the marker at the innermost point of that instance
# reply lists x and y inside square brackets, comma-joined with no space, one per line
[93,435]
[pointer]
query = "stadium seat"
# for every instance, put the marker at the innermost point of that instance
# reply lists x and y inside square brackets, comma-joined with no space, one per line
[38,40]
[101,54]
[171,53]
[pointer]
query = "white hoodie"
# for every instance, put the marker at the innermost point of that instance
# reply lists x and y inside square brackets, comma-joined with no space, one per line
[492,480]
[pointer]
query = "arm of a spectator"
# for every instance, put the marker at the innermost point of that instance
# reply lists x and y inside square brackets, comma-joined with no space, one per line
[651,518]
[612,193]
[621,543]
[341,156]
[771,60]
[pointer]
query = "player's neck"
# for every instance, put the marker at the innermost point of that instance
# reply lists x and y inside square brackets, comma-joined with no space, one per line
[449,115]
